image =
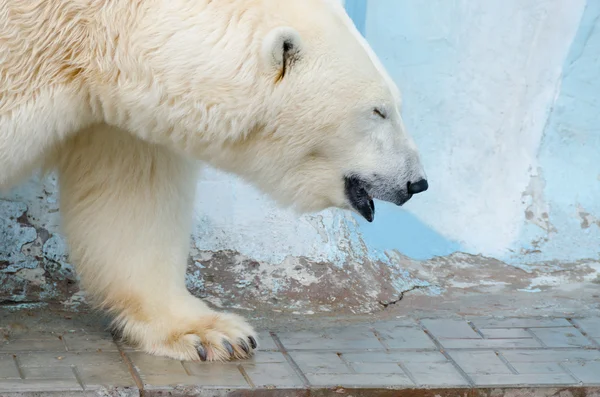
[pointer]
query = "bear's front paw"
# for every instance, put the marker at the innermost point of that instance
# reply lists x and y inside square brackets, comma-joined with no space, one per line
[217,337]
[228,337]
[210,336]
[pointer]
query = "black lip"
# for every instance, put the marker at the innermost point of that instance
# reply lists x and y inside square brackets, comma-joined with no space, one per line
[403,199]
[358,195]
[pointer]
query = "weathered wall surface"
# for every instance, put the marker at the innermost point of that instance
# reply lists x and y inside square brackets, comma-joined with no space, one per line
[502,99]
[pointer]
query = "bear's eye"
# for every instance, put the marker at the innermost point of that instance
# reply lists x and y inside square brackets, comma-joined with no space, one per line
[380,113]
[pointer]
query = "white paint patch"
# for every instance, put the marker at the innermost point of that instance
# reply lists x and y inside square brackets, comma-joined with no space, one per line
[537,211]
[35,276]
[75,300]
[279,274]
[485,128]
[568,279]
[232,215]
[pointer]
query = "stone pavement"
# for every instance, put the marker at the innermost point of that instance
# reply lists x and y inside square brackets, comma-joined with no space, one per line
[425,357]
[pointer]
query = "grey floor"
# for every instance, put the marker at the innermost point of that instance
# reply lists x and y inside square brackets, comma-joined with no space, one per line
[543,356]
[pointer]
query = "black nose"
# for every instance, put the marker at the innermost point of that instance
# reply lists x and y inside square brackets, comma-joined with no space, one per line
[418,187]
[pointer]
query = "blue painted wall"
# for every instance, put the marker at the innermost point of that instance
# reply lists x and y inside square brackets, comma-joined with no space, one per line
[569,162]
[502,98]
[357,10]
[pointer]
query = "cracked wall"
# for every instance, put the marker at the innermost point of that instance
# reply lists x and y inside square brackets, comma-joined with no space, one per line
[244,254]
[501,97]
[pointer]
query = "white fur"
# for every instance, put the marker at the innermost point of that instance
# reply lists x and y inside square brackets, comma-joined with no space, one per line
[126,206]
[121,95]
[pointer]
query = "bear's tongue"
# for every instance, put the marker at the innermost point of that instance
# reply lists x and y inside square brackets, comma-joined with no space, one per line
[359,198]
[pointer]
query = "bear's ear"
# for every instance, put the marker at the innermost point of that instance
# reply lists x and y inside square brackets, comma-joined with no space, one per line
[280,49]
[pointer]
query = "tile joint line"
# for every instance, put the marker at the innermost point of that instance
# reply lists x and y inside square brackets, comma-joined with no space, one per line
[290,360]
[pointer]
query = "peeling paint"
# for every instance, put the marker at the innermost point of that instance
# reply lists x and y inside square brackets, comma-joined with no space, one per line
[568,158]
[489,224]
[234,280]
[537,208]
[33,260]
[13,236]
[587,219]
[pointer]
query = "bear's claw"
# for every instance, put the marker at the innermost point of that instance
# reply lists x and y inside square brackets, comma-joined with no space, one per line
[253,343]
[201,353]
[244,345]
[228,347]
[241,349]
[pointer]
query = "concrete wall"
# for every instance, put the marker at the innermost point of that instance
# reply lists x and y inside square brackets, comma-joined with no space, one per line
[502,99]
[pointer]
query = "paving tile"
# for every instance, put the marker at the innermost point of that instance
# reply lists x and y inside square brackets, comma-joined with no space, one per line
[427,368]
[160,372]
[268,375]
[260,357]
[523,380]
[344,356]
[489,343]
[391,326]
[450,329]
[561,337]
[319,362]
[54,372]
[90,343]
[480,362]
[355,331]
[398,322]
[422,357]
[148,365]
[31,335]
[47,359]
[394,357]
[39,385]
[8,367]
[198,374]
[375,368]
[520,322]
[405,338]
[347,340]
[541,356]
[587,372]
[359,380]
[505,333]
[266,342]
[436,374]
[33,345]
[100,376]
[96,370]
[590,325]
[538,368]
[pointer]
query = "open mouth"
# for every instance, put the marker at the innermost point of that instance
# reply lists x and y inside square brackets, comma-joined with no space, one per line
[360,193]
[359,197]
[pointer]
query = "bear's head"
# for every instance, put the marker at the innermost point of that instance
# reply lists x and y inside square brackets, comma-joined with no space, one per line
[284,93]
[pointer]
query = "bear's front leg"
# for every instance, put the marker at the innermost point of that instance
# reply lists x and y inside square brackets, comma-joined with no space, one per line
[127,212]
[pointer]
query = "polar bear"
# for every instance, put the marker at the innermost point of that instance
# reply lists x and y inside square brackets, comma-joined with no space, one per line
[123,97]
